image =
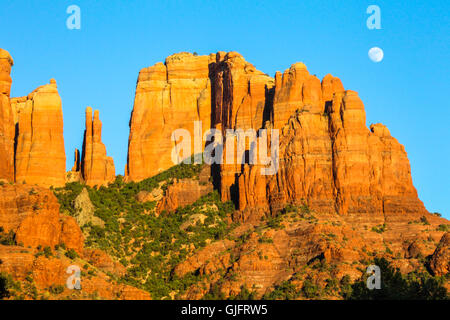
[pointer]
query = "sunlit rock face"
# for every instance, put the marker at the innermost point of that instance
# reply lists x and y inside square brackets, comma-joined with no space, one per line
[169,96]
[97,168]
[6,119]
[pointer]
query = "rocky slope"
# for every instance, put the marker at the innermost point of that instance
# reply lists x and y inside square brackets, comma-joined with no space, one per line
[342,197]
[31,132]
[45,243]
[303,246]
[168,96]
[328,157]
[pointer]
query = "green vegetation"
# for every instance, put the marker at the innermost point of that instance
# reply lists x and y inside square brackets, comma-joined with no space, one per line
[7,238]
[395,286]
[4,293]
[47,252]
[71,254]
[56,289]
[265,239]
[443,227]
[379,229]
[437,214]
[310,290]
[150,246]
[285,291]
[8,287]
[244,294]
[424,220]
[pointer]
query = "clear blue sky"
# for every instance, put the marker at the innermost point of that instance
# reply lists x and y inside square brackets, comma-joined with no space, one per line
[99,64]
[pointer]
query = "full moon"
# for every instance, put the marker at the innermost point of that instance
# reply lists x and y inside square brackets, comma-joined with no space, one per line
[376,54]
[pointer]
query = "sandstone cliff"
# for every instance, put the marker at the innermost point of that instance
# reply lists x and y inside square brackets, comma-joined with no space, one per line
[7,130]
[334,163]
[168,96]
[96,167]
[31,133]
[328,157]
[31,213]
[314,247]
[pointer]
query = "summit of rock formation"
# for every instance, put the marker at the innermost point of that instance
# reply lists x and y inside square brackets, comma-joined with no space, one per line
[96,167]
[328,157]
[40,155]
[169,96]
[7,130]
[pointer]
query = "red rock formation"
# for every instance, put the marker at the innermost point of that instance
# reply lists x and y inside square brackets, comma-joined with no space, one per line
[40,156]
[240,93]
[168,96]
[7,130]
[33,214]
[440,260]
[182,193]
[241,100]
[23,263]
[97,168]
[328,157]
[269,256]
[104,262]
[74,175]
[294,89]
[76,161]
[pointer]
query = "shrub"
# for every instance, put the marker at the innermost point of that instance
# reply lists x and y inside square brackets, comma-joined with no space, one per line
[284,291]
[7,239]
[265,240]
[310,290]
[56,289]
[71,254]
[379,229]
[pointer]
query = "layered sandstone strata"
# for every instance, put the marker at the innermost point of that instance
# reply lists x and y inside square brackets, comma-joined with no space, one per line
[334,163]
[169,96]
[96,167]
[186,191]
[40,155]
[242,97]
[345,243]
[7,130]
[32,213]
